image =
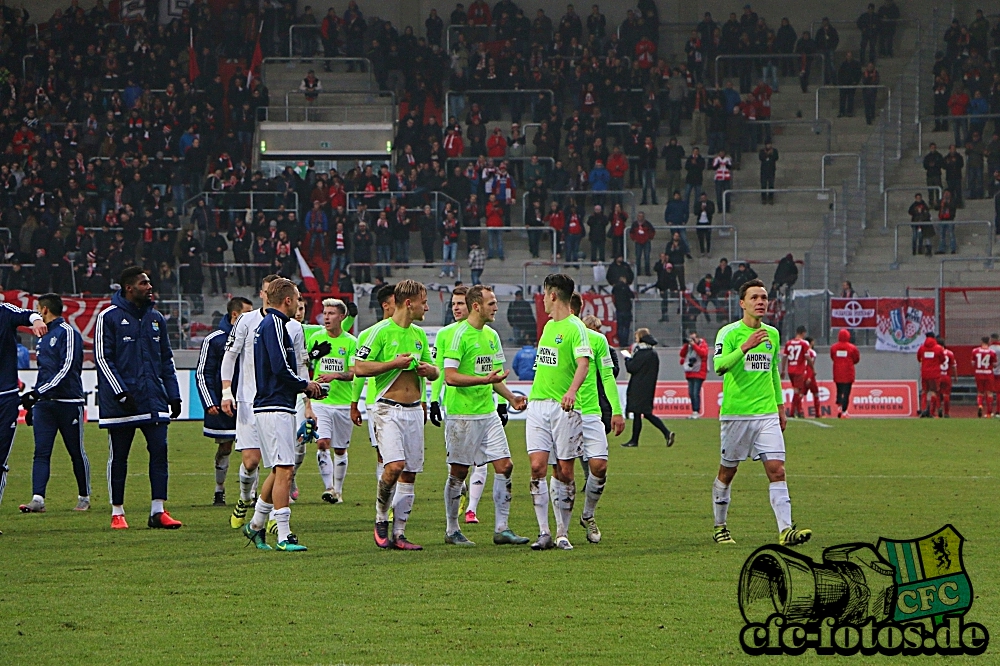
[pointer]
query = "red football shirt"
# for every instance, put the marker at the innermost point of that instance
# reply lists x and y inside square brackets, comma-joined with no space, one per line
[984,360]
[931,356]
[795,352]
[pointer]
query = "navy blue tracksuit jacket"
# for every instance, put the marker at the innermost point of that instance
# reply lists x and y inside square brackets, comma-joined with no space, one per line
[274,364]
[209,380]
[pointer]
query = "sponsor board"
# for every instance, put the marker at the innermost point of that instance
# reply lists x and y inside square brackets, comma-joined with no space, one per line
[853,312]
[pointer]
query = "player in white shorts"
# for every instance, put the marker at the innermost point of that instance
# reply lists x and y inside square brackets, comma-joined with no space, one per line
[554,427]
[388,304]
[752,414]
[397,355]
[239,354]
[296,332]
[332,351]
[474,435]
[278,383]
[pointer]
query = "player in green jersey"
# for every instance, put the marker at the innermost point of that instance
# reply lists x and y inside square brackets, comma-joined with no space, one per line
[599,392]
[397,355]
[331,350]
[752,416]
[386,301]
[554,427]
[474,434]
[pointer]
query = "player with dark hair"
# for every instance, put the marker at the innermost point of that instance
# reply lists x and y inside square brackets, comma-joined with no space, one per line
[56,404]
[387,302]
[752,416]
[136,385]
[949,372]
[208,376]
[794,361]
[984,360]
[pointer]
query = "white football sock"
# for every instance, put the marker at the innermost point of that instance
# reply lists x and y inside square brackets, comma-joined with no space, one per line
[540,499]
[221,470]
[563,496]
[325,465]
[283,517]
[38,498]
[156,506]
[339,472]
[452,495]
[477,485]
[781,504]
[720,500]
[501,501]
[594,489]
[117,510]
[248,480]
[402,504]
[262,510]
[383,499]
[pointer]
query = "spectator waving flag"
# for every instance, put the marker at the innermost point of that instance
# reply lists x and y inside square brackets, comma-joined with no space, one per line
[257,60]
[308,279]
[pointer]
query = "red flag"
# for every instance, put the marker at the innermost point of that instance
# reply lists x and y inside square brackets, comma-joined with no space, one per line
[193,71]
[308,277]
[257,60]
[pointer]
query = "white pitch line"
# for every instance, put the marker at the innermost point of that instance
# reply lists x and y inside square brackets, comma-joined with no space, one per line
[813,423]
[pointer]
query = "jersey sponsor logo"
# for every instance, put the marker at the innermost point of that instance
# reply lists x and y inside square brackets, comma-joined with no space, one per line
[547,356]
[559,339]
[484,365]
[757,362]
[331,364]
[718,349]
[363,352]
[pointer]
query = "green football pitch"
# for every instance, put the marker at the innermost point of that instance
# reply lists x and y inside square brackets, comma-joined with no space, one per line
[657,590]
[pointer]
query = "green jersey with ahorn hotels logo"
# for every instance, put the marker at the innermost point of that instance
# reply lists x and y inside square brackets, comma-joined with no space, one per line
[388,340]
[477,353]
[561,344]
[339,359]
[751,382]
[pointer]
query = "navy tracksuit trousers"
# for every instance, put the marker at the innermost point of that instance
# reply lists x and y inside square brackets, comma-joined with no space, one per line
[51,417]
[120,443]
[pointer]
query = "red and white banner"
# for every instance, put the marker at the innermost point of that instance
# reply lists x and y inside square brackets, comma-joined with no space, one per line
[853,312]
[869,399]
[600,305]
[903,323]
[80,313]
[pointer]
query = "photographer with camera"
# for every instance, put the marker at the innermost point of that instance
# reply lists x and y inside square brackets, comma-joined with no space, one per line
[694,359]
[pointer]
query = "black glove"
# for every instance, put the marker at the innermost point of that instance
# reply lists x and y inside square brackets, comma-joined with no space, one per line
[127,402]
[175,408]
[436,414]
[319,350]
[29,399]
[504,416]
[352,309]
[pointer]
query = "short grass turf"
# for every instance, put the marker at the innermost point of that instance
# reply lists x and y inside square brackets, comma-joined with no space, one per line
[657,590]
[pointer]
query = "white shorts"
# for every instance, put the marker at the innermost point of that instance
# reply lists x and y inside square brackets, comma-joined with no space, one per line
[333,422]
[760,438]
[277,438]
[399,433]
[246,427]
[595,440]
[371,429]
[475,440]
[550,429]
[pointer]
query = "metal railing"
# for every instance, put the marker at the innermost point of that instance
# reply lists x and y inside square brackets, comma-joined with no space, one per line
[252,199]
[895,257]
[331,114]
[968,118]
[822,167]
[523,229]
[769,56]
[989,263]
[372,94]
[550,162]
[816,123]
[477,93]
[362,196]
[379,266]
[903,188]
[301,27]
[347,61]
[608,206]
[671,228]
[888,90]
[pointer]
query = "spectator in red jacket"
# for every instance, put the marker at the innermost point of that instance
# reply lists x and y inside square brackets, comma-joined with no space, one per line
[694,360]
[496,145]
[931,356]
[845,356]
[617,166]
[642,234]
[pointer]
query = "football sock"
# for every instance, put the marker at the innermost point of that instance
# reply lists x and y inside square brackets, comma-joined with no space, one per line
[594,489]
[585,466]
[402,504]
[221,470]
[379,468]
[477,485]
[247,482]
[325,465]
[383,498]
[781,504]
[540,499]
[816,405]
[562,496]
[300,455]
[339,472]
[38,498]
[156,506]
[501,501]
[452,495]
[796,404]
[117,510]
[720,500]
[283,517]
[261,512]
[946,403]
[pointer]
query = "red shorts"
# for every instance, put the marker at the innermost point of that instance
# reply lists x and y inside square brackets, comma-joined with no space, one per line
[929,384]
[798,380]
[945,384]
[985,384]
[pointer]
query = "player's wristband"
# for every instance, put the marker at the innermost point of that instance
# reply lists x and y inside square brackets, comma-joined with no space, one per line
[227,394]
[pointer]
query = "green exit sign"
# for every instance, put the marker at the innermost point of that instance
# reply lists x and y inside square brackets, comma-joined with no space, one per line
[324,144]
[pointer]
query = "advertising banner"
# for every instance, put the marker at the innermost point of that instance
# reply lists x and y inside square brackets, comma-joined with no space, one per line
[80,313]
[855,313]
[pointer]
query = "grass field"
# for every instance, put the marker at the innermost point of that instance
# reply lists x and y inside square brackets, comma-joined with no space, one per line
[656,591]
